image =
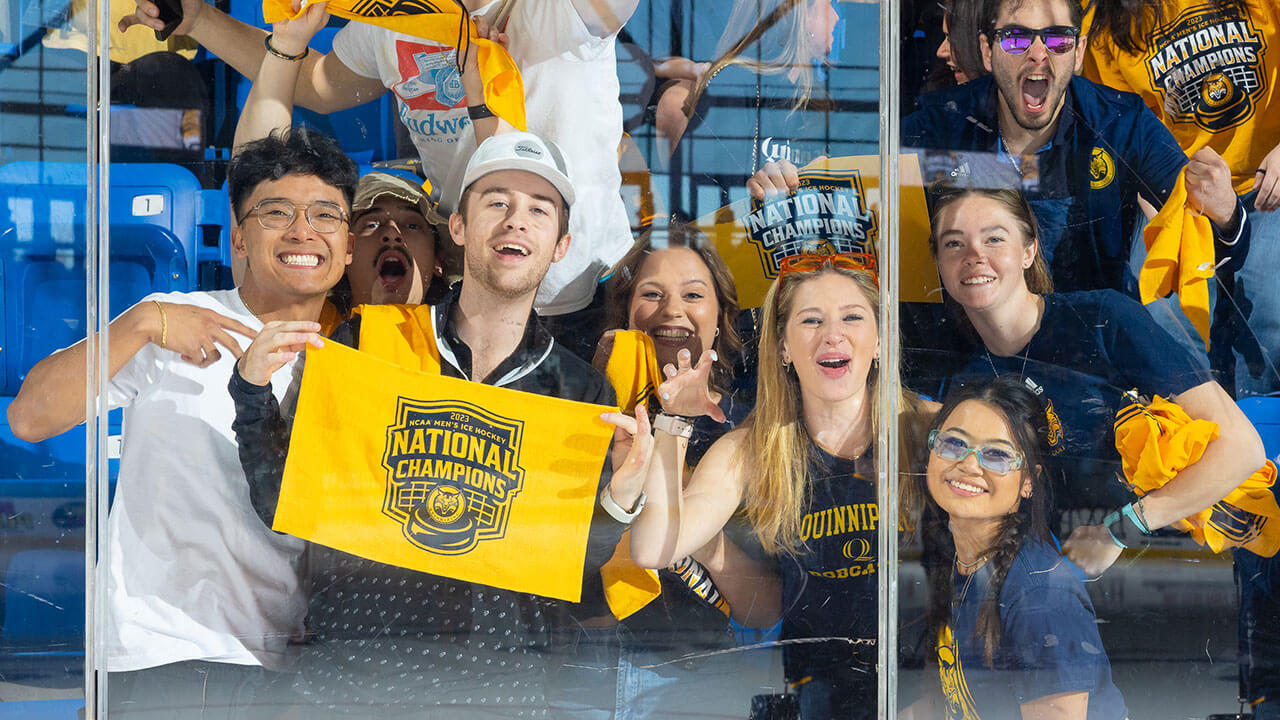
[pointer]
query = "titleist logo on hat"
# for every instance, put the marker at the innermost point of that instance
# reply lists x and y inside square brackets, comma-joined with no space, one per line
[527,150]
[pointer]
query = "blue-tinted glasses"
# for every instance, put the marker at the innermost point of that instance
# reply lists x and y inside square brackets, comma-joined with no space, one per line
[1016,40]
[950,446]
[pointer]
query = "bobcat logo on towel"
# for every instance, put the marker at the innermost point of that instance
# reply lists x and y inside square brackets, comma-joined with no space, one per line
[453,472]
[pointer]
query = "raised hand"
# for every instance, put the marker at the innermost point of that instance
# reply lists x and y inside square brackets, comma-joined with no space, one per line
[194,332]
[292,36]
[1209,186]
[147,14]
[687,389]
[279,342]
[632,451]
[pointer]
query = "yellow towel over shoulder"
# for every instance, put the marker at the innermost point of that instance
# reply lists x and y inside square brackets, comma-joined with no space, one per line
[1157,441]
[441,21]
[442,475]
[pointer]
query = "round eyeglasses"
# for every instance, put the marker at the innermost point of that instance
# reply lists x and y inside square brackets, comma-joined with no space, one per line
[950,446]
[277,214]
[1016,39]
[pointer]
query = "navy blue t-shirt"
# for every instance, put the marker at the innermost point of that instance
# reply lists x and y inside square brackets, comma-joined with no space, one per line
[1090,349]
[829,587]
[1049,642]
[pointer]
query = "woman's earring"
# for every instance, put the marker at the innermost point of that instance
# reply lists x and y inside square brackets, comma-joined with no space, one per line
[717,333]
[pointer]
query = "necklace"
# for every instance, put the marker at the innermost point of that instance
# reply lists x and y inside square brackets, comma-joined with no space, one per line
[1022,374]
[965,567]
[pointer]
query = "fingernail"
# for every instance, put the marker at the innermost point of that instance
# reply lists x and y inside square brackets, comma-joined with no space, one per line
[666,396]
[714,356]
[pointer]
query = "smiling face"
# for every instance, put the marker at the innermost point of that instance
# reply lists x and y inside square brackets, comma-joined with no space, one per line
[509,228]
[295,263]
[674,302]
[964,489]
[983,253]
[830,337]
[1034,83]
[394,255]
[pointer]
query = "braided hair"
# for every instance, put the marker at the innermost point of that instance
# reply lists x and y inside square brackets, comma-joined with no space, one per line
[1028,426]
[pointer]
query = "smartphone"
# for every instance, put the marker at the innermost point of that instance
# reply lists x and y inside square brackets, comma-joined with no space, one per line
[171,14]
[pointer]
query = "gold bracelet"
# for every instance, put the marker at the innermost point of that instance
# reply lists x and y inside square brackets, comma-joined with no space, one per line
[164,325]
[291,58]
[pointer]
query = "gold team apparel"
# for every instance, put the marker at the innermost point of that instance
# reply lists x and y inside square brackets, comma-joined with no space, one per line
[1157,440]
[441,475]
[1209,74]
[440,21]
[1180,258]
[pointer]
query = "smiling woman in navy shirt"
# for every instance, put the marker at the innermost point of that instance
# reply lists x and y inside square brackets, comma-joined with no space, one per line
[1079,352]
[1016,635]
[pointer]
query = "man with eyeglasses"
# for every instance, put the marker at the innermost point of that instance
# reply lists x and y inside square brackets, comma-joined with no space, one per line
[202,599]
[1082,152]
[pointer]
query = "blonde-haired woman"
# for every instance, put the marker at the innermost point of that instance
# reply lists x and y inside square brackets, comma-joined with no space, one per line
[801,468]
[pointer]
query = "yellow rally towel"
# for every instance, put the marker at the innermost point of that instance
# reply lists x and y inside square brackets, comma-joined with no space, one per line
[1159,440]
[1180,257]
[627,586]
[633,369]
[633,372]
[401,334]
[441,475]
[440,22]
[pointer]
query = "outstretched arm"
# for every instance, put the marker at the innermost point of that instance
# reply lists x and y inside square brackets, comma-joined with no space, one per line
[52,397]
[269,106]
[325,84]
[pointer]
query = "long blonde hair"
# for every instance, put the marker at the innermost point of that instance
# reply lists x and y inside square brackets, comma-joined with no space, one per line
[750,26]
[777,441]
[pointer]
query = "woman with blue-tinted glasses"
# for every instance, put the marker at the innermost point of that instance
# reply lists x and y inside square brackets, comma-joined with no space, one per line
[1014,630]
[1080,353]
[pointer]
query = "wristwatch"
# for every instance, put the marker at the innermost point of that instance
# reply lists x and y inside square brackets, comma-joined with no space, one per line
[673,425]
[616,511]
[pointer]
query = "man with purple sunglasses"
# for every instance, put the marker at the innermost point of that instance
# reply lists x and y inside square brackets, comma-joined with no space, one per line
[1083,153]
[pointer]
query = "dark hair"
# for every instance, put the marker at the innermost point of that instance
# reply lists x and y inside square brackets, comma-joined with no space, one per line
[1129,23]
[562,205]
[991,10]
[1029,426]
[1015,203]
[296,151]
[964,19]
[622,282]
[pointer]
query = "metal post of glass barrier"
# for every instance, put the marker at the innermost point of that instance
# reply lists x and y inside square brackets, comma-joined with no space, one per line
[887,443]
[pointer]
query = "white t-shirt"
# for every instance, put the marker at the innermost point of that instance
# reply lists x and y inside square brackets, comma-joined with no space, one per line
[192,572]
[571,98]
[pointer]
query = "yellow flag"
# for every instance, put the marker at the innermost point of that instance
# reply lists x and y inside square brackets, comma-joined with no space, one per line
[444,476]
[837,208]
[439,21]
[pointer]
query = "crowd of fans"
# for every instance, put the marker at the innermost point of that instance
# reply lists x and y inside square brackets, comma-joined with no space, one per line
[740,490]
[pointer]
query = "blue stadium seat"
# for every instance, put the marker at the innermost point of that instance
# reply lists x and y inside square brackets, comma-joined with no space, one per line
[44,601]
[1264,413]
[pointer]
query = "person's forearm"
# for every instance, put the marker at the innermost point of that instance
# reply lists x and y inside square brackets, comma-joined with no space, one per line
[269,106]
[655,534]
[52,397]
[262,441]
[243,47]
[1227,461]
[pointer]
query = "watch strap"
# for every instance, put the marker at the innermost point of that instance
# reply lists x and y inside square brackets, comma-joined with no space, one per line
[479,112]
[616,511]
[673,425]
